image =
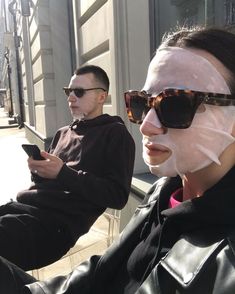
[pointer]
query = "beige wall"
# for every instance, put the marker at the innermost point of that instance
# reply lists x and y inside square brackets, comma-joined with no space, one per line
[109,33]
[49,68]
[115,35]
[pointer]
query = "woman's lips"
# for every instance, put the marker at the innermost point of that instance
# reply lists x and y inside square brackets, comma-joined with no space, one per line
[155,148]
[156,153]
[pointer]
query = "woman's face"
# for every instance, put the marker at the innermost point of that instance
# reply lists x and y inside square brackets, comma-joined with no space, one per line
[169,151]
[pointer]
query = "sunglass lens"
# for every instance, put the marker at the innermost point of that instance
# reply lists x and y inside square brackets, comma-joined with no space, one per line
[176,111]
[67,91]
[136,107]
[79,92]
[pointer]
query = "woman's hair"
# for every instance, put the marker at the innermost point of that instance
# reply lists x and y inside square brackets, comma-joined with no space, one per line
[217,42]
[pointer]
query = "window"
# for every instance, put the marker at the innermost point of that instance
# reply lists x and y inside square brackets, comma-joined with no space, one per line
[168,14]
[229,12]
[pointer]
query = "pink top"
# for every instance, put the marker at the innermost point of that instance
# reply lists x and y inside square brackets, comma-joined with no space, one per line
[174,198]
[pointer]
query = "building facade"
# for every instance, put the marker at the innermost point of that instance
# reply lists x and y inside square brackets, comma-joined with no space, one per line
[57,36]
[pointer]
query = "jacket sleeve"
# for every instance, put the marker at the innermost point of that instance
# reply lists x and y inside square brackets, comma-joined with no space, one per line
[81,276]
[111,189]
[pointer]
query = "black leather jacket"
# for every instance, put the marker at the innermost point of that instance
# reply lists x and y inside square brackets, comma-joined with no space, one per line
[201,260]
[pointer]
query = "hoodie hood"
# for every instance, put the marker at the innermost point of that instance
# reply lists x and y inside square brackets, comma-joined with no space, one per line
[82,125]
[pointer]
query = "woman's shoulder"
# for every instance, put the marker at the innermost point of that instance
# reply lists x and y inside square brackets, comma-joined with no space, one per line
[205,254]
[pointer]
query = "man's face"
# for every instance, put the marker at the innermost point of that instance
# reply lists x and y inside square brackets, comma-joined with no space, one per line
[90,104]
[170,151]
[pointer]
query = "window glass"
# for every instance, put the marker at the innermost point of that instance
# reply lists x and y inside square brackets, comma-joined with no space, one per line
[229,12]
[168,14]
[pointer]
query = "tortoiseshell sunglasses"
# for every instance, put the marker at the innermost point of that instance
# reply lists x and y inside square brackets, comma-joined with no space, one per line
[175,108]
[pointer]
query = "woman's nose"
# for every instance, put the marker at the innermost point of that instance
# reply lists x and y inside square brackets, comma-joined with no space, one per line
[151,125]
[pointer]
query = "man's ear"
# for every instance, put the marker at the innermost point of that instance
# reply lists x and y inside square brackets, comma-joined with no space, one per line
[233,131]
[102,97]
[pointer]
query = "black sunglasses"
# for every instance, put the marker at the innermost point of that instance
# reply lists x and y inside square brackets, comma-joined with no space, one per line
[79,92]
[173,113]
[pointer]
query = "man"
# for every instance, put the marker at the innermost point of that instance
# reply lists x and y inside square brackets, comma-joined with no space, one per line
[87,168]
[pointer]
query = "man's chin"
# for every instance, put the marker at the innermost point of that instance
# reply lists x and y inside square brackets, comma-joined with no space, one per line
[78,116]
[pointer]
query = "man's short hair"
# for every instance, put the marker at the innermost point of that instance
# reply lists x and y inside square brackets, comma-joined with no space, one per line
[100,75]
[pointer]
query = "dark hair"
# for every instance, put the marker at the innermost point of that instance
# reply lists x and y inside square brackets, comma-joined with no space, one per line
[100,75]
[217,42]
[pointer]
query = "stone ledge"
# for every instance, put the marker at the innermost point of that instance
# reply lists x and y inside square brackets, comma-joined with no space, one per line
[141,183]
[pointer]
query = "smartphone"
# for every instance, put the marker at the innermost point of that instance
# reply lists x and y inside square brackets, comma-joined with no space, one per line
[33,151]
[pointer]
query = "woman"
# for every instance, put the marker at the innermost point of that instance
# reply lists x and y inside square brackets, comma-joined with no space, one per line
[182,237]
[190,133]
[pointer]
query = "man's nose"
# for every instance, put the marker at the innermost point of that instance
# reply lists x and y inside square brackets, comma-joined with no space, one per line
[72,97]
[151,125]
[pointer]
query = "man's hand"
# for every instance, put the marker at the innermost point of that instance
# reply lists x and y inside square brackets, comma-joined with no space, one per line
[48,168]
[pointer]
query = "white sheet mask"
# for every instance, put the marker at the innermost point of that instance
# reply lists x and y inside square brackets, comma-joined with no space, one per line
[210,133]
[196,147]
[174,67]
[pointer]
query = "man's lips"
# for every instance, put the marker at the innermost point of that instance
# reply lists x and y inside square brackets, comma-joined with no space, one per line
[74,107]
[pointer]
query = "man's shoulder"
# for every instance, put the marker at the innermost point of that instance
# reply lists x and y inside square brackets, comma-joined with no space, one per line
[113,120]
[115,125]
